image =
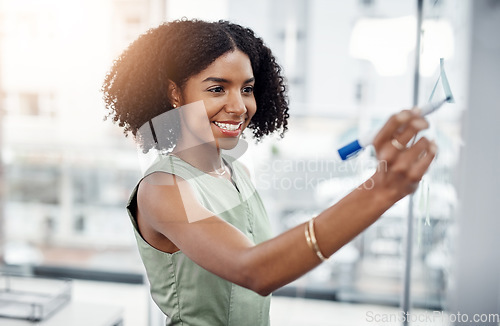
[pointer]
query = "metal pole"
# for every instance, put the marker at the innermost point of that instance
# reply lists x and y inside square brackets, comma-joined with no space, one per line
[416,73]
[2,186]
[405,300]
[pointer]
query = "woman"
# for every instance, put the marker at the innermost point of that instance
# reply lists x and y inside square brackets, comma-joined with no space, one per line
[201,229]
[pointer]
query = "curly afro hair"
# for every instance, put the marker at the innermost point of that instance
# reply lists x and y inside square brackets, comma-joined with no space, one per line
[135,89]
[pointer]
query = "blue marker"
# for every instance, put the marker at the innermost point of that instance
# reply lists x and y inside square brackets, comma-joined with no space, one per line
[354,147]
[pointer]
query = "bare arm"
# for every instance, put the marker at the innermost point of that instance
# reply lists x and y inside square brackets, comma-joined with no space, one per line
[167,205]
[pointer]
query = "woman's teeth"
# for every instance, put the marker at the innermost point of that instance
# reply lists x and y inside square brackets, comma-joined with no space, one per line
[227,126]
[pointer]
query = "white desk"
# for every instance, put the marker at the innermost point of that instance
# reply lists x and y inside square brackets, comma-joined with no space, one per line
[76,314]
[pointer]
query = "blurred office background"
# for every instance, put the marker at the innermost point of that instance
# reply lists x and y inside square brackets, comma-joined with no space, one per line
[66,175]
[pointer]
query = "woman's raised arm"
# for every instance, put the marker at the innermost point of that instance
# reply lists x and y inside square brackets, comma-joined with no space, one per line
[169,213]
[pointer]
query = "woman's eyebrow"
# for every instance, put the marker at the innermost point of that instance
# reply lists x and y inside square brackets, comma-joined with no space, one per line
[216,79]
[223,80]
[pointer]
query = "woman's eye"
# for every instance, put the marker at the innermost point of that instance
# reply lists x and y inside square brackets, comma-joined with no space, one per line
[217,89]
[248,89]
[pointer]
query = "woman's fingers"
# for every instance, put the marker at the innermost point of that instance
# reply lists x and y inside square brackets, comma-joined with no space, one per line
[410,130]
[415,161]
[404,165]
[402,176]
[391,126]
[397,133]
[419,168]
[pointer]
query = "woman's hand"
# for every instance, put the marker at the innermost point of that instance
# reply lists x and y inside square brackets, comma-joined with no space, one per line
[402,164]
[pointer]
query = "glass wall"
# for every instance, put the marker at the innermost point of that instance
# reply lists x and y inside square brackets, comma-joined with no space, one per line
[436,205]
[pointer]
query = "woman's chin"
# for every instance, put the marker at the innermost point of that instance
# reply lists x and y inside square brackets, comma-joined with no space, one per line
[227,143]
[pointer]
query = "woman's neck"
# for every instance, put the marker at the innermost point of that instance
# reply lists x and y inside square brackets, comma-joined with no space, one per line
[206,157]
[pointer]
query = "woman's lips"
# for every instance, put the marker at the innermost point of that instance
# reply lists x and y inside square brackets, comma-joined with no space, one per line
[229,128]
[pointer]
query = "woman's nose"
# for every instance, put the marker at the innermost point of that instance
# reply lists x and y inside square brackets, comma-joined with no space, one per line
[235,104]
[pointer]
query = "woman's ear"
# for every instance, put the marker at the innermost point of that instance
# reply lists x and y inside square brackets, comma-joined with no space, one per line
[174,94]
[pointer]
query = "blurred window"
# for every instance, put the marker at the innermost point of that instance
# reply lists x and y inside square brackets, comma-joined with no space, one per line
[29,104]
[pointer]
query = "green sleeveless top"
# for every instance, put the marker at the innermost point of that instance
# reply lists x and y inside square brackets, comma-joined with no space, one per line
[187,293]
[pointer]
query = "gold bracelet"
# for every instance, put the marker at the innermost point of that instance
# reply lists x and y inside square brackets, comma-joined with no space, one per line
[308,238]
[314,242]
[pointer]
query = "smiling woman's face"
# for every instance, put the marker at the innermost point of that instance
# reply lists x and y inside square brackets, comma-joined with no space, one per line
[226,89]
